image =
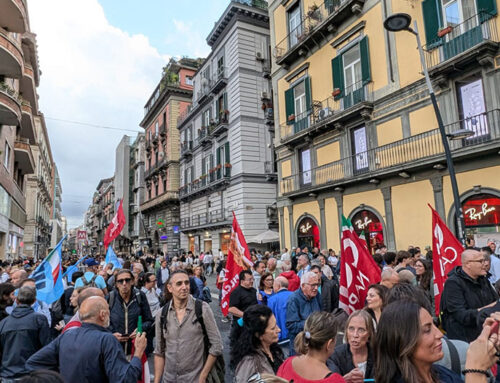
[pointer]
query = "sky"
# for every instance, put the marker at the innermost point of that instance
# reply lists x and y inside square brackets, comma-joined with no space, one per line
[100,61]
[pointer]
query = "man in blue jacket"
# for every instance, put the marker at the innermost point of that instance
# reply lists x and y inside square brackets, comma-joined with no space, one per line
[277,302]
[301,304]
[91,353]
[22,333]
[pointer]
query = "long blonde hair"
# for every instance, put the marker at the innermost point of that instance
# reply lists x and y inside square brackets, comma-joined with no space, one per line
[319,328]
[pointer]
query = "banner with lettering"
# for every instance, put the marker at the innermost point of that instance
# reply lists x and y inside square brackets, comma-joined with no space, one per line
[358,270]
[238,258]
[446,252]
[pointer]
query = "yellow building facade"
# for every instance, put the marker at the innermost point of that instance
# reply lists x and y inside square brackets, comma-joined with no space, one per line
[356,133]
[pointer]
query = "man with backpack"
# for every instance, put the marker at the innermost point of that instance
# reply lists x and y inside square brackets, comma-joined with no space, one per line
[91,278]
[188,342]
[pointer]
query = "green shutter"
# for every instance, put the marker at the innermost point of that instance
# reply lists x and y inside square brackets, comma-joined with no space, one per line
[290,105]
[431,10]
[307,85]
[364,52]
[203,162]
[192,173]
[226,148]
[219,171]
[487,6]
[225,100]
[338,75]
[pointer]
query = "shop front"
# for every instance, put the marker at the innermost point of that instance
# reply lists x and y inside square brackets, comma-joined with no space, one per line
[308,233]
[367,222]
[482,218]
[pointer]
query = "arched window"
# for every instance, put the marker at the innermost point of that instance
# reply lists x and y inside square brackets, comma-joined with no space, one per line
[368,222]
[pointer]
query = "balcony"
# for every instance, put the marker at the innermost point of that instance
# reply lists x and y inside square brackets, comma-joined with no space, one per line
[318,22]
[419,151]
[27,87]
[163,131]
[473,42]
[14,15]
[221,125]
[23,156]
[155,168]
[184,115]
[11,56]
[204,92]
[219,80]
[186,149]
[332,113]
[27,124]
[163,199]
[215,180]
[215,218]
[204,136]
[10,107]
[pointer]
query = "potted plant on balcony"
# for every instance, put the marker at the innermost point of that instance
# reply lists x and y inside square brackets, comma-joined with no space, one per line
[227,165]
[444,31]
[336,92]
[203,176]
[313,11]
[291,117]
[219,166]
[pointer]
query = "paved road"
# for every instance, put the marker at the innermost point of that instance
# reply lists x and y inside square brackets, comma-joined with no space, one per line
[224,328]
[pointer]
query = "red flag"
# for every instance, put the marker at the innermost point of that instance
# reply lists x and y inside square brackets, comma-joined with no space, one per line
[446,252]
[115,227]
[358,270]
[238,258]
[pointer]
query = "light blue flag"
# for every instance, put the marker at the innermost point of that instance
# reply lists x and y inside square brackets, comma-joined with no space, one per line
[48,276]
[70,270]
[112,258]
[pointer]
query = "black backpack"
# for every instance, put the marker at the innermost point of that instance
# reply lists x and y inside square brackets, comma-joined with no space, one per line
[112,296]
[218,372]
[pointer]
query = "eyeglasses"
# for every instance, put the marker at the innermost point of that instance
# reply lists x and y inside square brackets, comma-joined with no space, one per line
[313,285]
[122,281]
[479,260]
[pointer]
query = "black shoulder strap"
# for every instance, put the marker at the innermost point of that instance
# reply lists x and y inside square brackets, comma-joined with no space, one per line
[93,279]
[455,359]
[84,280]
[138,296]
[111,299]
[198,310]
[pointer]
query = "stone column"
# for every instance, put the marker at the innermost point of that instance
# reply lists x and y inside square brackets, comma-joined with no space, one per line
[281,212]
[340,210]
[389,220]
[293,239]
[322,227]
[437,188]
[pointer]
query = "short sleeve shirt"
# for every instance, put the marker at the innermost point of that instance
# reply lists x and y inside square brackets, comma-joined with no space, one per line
[99,281]
[242,298]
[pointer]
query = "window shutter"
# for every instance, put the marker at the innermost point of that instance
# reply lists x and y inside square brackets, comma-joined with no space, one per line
[431,10]
[488,6]
[307,85]
[192,173]
[203,161]
[219,171]
[225,100]
[226,148]
[365,60]
[290,105]
[338,76]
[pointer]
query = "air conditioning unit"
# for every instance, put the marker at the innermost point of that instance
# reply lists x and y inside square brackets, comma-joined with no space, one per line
[259,56]
[324,113]
[204,82]
[161,154]
[264,95]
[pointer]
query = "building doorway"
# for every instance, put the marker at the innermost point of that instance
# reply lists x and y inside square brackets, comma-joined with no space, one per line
[308,233]
[368,222]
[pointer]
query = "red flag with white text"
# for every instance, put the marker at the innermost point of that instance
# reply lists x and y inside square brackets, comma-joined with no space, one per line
[115,226]
[446,254]
[358,270]
[238,258]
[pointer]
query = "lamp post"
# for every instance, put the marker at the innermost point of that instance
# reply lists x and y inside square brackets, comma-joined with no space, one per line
[401,22]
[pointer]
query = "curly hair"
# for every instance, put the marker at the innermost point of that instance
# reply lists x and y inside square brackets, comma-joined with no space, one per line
[255,322]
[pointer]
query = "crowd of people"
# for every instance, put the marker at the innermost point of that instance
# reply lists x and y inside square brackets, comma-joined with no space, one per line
[286,324]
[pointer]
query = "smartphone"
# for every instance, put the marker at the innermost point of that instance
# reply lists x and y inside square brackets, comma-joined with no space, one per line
[126,335]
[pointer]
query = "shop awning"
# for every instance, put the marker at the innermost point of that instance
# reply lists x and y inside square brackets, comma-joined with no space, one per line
[267,236]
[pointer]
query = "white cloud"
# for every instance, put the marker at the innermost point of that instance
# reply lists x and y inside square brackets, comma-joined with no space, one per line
[91,72]
[193,40]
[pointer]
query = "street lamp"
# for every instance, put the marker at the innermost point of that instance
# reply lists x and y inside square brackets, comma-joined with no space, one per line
[401,22]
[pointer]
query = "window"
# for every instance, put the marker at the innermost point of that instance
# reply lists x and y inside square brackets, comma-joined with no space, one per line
[223,158]
[164,184]
[220,67]
[189,80]
[298,105]
[351,72]
[156,188]
[6,160]
[472,109]
[294,26]
[360,149]
[156,129]
[205,118]
[222,106]
[305,166]
[457,11]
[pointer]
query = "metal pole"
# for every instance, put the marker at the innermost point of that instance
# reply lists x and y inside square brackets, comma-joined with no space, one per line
[449,160]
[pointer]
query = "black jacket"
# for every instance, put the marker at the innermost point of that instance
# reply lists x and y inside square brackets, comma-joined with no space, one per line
[22,334]
[341,361]
[461,298]
[329,293]
[119,311]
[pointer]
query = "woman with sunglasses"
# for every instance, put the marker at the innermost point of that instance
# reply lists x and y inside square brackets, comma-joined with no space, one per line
[126,304]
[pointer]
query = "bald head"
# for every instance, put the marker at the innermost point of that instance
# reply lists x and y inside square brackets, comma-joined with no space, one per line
[389,277]
[280,283]
[95,310]
[406,276]
[469,254]
[89,292]
[473,263]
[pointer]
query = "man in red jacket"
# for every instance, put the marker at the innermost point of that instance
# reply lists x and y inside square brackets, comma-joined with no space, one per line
[288,273]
